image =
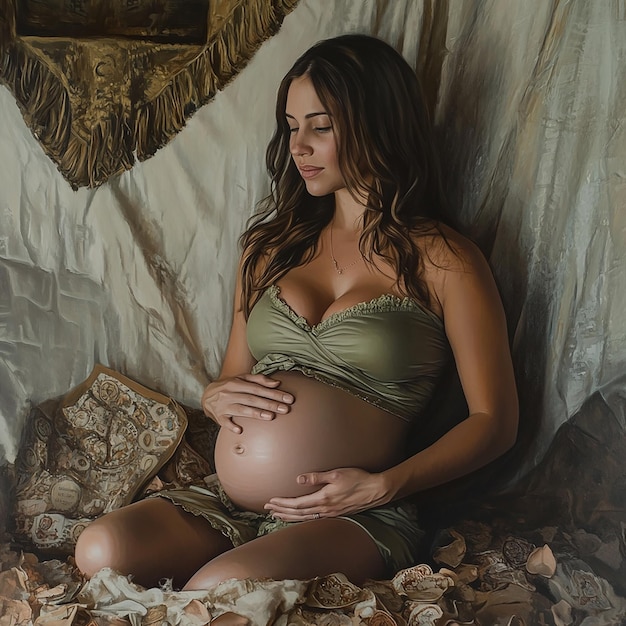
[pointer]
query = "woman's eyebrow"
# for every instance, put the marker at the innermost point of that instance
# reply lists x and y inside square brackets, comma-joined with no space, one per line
[308,115]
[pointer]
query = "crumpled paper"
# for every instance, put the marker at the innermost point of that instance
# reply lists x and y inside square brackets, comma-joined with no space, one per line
[109,598]
[490,587]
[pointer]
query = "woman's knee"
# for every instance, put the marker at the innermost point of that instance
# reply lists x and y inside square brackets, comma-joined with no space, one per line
[151,539]
[212,577]
[98,546]
[218,570]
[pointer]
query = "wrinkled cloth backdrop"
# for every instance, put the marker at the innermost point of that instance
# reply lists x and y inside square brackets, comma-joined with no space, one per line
[138,274]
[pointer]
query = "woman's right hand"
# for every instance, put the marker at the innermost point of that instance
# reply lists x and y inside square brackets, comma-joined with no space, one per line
[248,395]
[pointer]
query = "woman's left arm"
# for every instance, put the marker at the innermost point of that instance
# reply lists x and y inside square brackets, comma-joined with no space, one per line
[476,329]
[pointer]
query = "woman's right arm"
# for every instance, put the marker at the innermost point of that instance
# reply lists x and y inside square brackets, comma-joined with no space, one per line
[237,393]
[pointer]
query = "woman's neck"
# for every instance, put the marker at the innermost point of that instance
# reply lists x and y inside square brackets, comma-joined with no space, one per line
[348,211]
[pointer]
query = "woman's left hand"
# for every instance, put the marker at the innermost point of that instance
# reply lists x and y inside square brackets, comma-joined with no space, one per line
[342,491]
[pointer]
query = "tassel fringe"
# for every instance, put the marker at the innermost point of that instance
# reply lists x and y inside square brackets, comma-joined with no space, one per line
[109,150]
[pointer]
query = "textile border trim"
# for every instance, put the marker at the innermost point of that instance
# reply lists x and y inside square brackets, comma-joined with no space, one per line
[44,101]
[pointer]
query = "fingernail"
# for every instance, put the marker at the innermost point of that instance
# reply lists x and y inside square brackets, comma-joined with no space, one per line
[287,398]
[301,480]
[282,408]
[266,415]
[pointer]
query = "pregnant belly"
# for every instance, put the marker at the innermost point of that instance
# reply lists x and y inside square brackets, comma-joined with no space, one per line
[325,429]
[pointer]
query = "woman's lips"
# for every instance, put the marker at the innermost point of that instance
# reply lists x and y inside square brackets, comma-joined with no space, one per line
[309,171]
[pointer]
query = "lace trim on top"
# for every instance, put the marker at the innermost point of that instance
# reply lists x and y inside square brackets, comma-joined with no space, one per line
[381,304]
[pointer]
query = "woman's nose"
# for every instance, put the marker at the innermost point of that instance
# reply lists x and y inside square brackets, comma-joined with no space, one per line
[299,147]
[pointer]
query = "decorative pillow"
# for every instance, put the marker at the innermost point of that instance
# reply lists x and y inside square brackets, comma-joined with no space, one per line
[194,458]
[89,453]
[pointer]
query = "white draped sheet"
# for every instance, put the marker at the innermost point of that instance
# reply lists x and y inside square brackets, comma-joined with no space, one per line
[139,274]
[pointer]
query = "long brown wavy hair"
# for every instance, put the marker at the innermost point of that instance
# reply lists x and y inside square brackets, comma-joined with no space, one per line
[383,135]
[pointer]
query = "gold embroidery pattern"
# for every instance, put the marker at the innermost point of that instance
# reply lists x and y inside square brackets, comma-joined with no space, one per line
[103,81]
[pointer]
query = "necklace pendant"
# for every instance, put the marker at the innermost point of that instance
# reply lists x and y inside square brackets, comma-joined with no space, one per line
[339,270]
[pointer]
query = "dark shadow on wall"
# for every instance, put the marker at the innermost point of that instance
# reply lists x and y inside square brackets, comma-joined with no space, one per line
[432,51]
[463,132]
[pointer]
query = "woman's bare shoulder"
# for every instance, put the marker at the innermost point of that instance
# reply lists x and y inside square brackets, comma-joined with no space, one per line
[453,266]
[446,250]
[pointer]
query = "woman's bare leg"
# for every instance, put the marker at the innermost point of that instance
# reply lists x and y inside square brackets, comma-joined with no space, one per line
[152,539]
[301,551]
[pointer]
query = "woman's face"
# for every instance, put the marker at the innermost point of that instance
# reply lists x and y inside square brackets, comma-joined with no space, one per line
[312,142]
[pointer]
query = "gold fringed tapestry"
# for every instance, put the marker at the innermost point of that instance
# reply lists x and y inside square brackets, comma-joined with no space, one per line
[100,81]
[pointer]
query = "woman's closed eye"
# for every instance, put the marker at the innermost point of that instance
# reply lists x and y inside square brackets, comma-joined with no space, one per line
[317,129]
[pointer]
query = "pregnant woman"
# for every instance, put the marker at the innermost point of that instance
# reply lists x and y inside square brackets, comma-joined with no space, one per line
[352,296]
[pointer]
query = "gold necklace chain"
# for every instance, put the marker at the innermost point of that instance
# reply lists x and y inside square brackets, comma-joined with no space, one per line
[338,269]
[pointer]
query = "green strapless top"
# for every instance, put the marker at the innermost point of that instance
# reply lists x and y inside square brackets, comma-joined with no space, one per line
[389,351]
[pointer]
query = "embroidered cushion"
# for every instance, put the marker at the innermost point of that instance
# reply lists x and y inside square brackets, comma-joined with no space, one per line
[89,453]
